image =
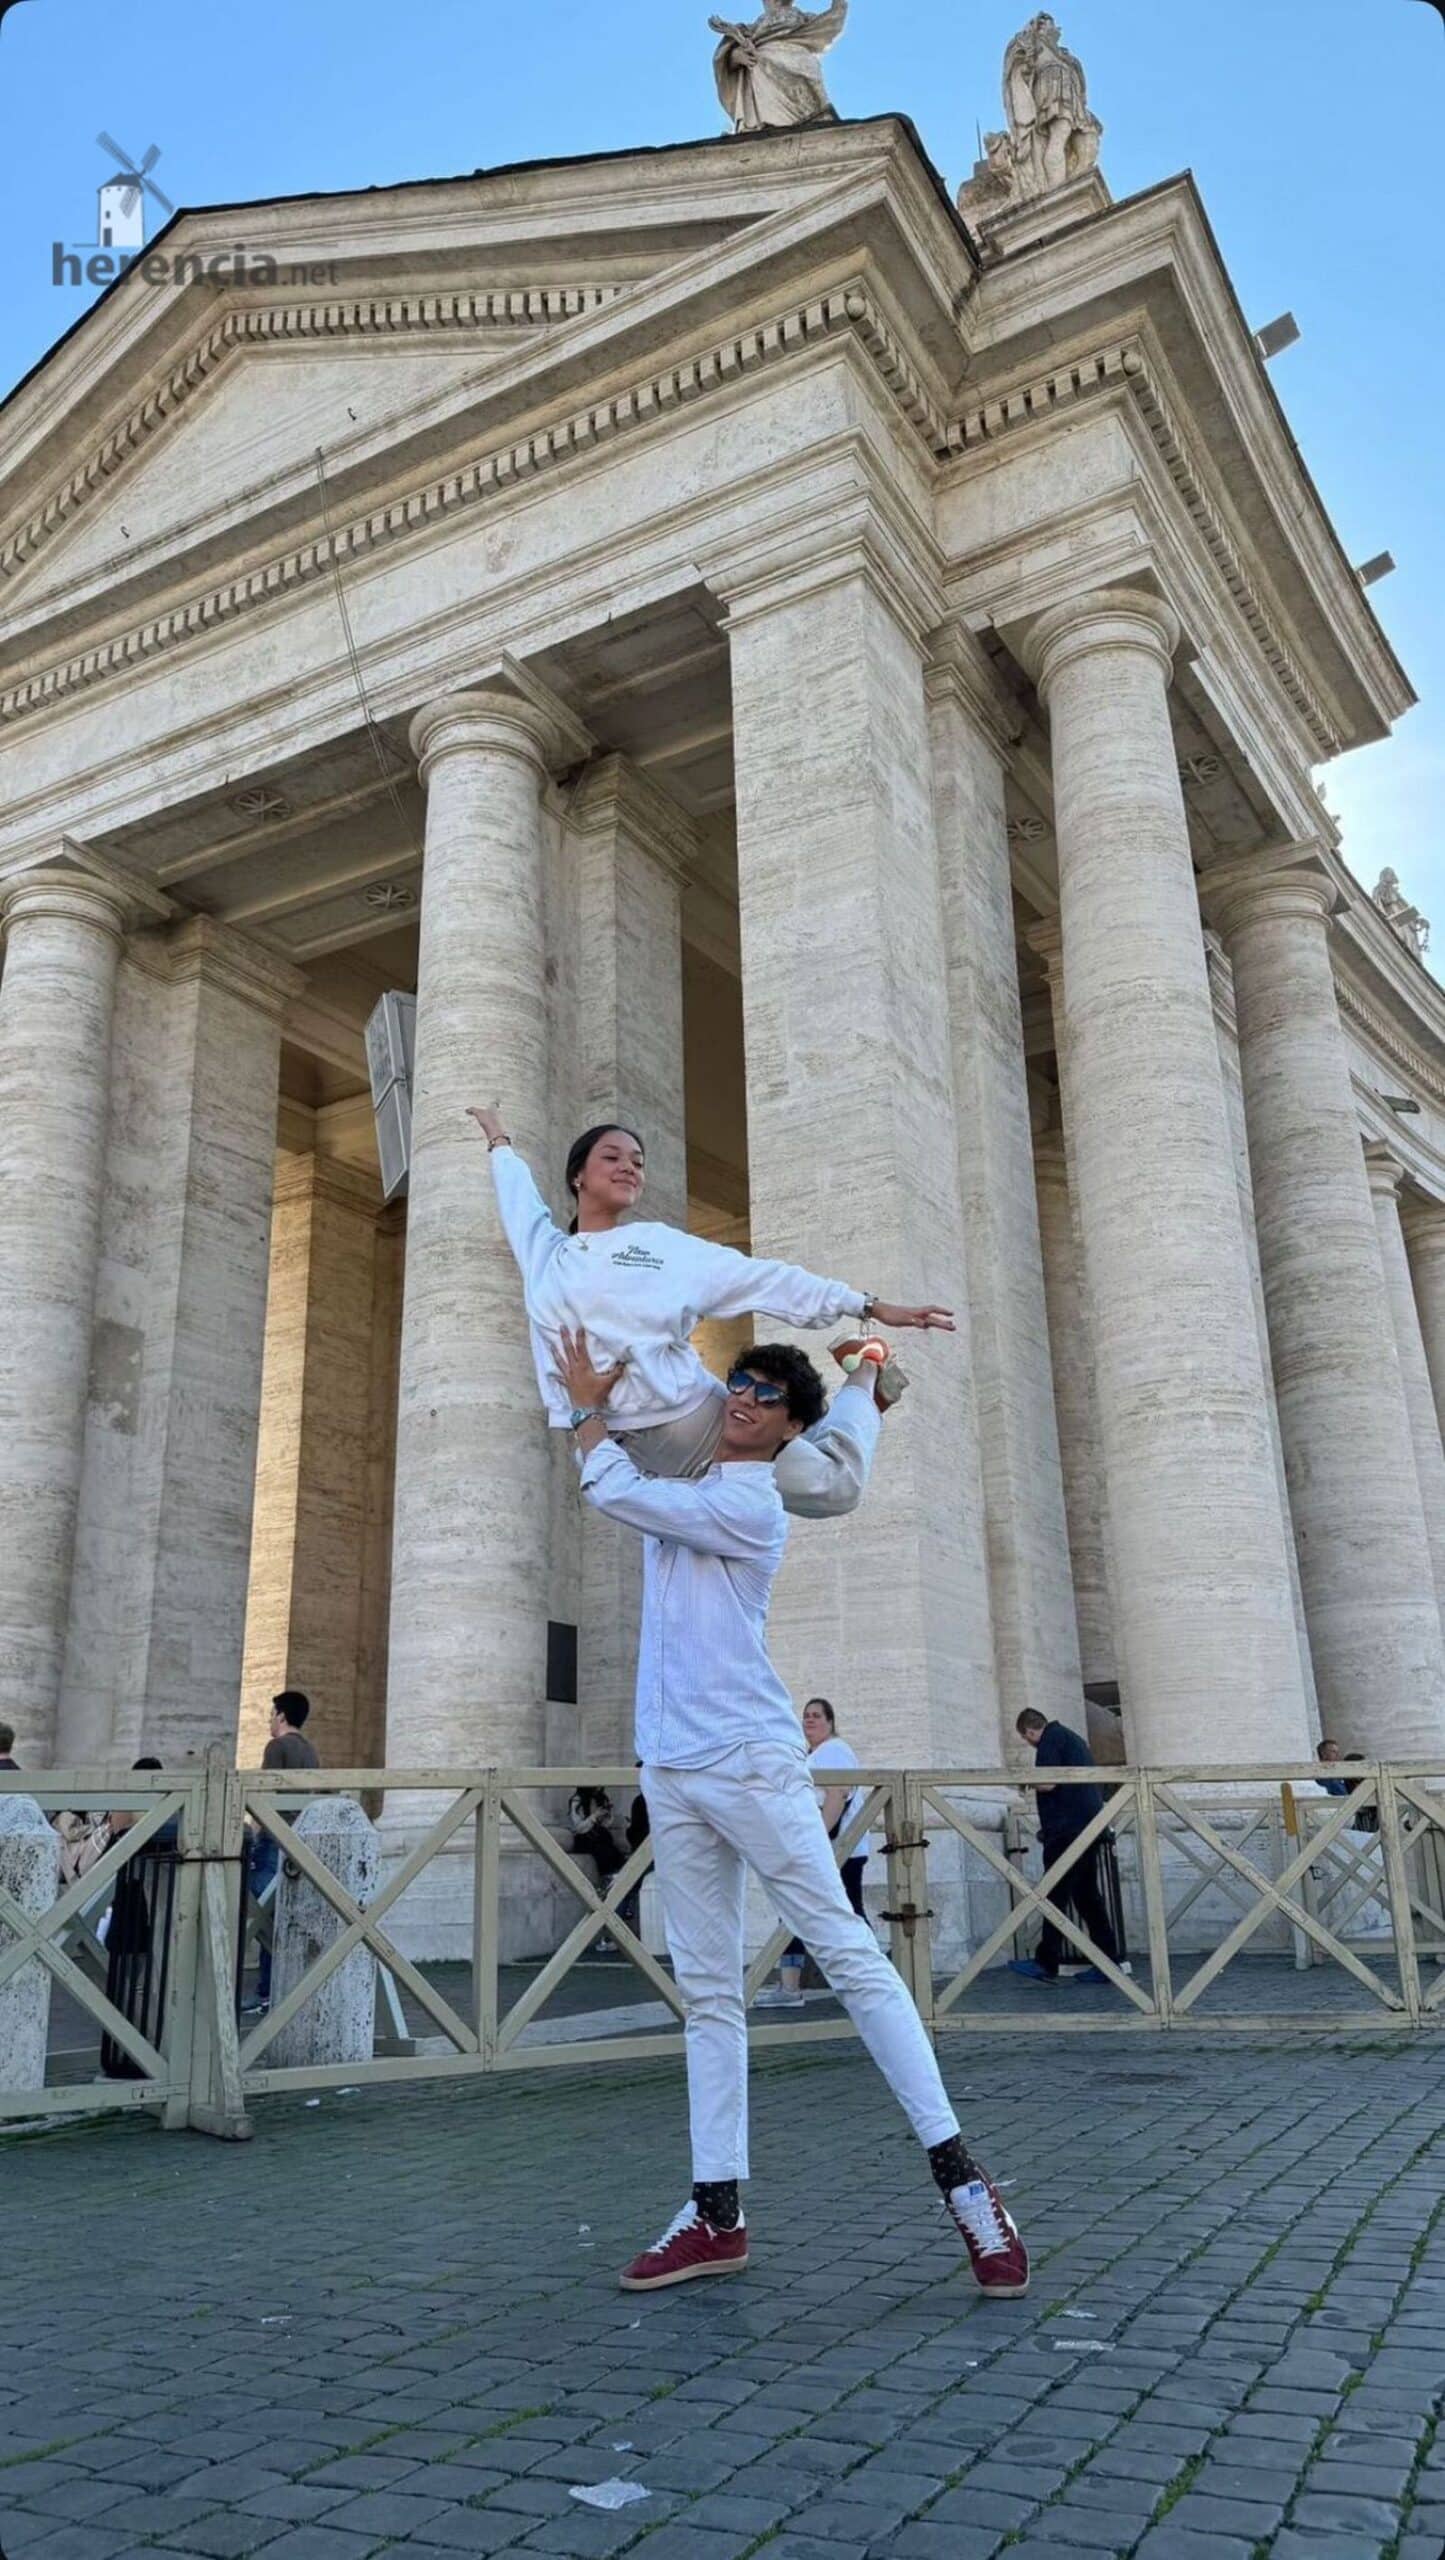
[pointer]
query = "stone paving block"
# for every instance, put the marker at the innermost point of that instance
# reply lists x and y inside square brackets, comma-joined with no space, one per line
[1333,2546]
[1253,2518]
[388,2514]
[230,2537]
[723,2512]
[1169,2541]
[480,2529]
[1331,2513]
[147,2517]
[984,2509]
[1370,2471]
[323,2542]
[77,2499]
[925,2541]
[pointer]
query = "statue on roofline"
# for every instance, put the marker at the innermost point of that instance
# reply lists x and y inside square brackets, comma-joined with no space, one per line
[1405,921]
[1052,137]
[771,73]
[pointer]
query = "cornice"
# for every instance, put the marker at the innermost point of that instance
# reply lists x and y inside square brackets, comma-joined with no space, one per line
[1386,1035]
[289,323]
[66,859]
[1123,365]
[850,311]
[846,312]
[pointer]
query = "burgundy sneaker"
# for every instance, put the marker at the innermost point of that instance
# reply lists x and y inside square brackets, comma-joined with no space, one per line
[997,2255]
[689,2247]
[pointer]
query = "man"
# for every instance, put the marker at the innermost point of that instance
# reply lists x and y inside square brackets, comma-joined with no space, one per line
[288,1748]
[826,1750]
[1063,1813]
[727,1788]
[7,1746]
[1329,1756]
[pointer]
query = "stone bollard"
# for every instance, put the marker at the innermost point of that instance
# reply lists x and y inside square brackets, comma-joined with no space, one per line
[338,2023]
[30,1874]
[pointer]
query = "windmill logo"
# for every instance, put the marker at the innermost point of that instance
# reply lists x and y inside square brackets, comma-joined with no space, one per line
[121,217]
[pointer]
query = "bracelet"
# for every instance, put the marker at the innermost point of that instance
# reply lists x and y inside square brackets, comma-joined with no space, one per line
[494,1143]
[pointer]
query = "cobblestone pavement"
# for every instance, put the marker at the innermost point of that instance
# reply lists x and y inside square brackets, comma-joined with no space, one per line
[390,2322]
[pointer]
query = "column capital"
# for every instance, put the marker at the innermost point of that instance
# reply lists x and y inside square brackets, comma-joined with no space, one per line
[1046,938]
[1290,888]
[512,714]
[1107,618]
[66,879]
[1424,1224]
[959,671]
[1385,1170]
[864,535]
[615,795]
[220,956]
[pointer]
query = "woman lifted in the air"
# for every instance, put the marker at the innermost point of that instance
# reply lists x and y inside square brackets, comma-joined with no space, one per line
[638,1290]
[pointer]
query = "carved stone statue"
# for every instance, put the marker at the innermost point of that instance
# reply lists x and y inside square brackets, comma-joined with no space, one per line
[1405,921]
[1052,138]
[771,73]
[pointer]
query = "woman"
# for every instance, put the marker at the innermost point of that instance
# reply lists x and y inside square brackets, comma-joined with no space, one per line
[639,1295]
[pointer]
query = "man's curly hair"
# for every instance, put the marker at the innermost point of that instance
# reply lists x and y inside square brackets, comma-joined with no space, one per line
[785,1367]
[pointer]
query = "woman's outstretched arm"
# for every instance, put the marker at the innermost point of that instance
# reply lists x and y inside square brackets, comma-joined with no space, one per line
[736,1284]
[526,1218]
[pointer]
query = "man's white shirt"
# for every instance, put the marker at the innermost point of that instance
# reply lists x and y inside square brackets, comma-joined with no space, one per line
[711,1552]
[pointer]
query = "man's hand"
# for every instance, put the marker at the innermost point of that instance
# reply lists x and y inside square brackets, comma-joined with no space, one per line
[913,1319]
[585,1383]
[490,1123]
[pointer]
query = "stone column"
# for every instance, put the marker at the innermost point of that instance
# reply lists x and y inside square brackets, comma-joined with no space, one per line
[629,849]
[1423,1222]
[1036,1638]
[1221,986]
[853,1135]
[1386,1173]
[62,927]
[1083,1470]
[304,1619]
[469,1557]
[1369,1593]
[1208,1655]
[158,1603]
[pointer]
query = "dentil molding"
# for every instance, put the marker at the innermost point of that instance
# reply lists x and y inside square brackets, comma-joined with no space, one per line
[850,310]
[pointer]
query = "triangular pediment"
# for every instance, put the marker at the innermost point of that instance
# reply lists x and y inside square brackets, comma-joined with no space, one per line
[262,413]
[177,431]
[166,407]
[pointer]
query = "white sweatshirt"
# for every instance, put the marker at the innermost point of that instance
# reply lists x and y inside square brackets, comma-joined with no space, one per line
[643,1290]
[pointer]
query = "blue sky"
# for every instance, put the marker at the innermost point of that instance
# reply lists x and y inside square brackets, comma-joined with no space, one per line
[1311,125]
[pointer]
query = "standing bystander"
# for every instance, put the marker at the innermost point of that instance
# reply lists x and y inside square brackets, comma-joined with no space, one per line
[1063,1813]
[826,1750]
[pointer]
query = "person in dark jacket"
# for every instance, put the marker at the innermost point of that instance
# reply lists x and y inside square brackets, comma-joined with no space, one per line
[1063,1813]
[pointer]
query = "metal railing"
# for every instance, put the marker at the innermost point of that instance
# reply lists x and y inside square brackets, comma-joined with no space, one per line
[1214,1864]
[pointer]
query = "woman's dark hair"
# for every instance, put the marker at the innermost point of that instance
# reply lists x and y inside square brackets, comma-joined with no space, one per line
[825,1706]
[785,1367]
[581,1148]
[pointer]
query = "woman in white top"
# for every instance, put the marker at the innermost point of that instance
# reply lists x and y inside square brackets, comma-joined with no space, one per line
[639,1289]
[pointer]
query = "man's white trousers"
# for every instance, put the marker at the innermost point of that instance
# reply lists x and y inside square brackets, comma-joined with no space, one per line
[758,1808]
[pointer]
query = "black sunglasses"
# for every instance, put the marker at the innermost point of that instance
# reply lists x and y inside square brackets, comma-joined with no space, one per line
[762,1390]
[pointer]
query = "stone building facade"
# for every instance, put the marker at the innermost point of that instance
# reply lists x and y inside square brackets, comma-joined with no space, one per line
[839,688]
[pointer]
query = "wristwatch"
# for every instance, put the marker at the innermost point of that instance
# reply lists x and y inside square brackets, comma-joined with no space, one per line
[581,1413]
